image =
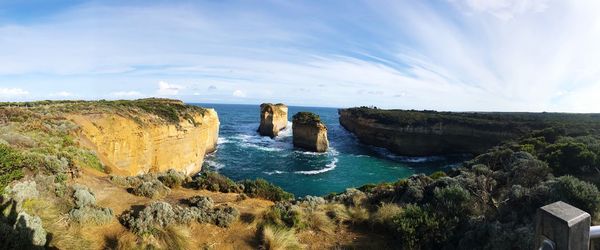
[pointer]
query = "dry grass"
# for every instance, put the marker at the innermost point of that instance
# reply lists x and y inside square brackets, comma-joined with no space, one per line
[279,238]
[172,237]
[55,220]
[385,213]
[318,221]
[358,215]
[337,212]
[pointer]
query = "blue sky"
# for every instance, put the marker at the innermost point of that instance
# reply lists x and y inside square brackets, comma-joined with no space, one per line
[459,55]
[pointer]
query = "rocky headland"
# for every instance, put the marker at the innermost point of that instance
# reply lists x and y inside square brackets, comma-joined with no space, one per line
[273,118]
[425,133]
[309,132]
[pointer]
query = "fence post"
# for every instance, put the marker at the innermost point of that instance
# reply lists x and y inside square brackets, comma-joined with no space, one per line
[560,226]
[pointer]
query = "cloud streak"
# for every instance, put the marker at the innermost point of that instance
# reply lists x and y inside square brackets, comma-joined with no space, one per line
[508,55]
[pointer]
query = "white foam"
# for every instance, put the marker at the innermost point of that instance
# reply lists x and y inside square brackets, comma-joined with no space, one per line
[262,148]
[286,132]
[327,168]
[275,172]
[418,159]
[214,164]
[222,140]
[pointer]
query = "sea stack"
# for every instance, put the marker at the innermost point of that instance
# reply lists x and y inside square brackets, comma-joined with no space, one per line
[309,132]
[273,118]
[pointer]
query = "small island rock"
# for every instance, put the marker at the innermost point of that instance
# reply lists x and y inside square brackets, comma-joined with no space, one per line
[309,132]
[273,118]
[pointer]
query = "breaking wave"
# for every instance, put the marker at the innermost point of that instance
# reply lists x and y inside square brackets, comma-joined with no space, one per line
[330,166]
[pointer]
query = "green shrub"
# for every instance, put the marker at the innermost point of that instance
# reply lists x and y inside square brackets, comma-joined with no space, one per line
[264,189]
[214,181]
[151,189]
[570,158]
[11,164]
[94,215]
[417,228]
[172,178]
[437,174]
[85,210]
[202,202]
[306,118]
[576,192]
[153,217]
[286,215]
[225,215]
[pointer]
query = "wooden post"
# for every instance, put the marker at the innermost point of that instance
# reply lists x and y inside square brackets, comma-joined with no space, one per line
[560,226]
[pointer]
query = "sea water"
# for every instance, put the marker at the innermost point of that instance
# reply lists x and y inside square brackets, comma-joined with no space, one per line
[243,154]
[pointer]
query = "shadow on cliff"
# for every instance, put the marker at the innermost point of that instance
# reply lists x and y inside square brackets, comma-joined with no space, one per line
[14,230]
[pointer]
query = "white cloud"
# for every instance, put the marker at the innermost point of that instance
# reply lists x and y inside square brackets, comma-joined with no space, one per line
[504,9]
[165,88]
[502,55]
[239,93]
[127,94]
[12,92]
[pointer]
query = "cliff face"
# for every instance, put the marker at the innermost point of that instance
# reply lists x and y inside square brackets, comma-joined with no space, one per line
[273,118]
[309,134]
[425,135]
[127,147]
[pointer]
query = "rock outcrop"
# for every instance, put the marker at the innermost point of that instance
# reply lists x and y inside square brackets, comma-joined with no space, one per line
[136,145]
[273,118]
[425,133]
[309,132]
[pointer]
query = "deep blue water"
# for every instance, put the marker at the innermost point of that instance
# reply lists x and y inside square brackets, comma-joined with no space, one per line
[243,154]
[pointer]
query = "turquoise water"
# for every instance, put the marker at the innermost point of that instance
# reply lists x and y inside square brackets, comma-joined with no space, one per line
[243,154]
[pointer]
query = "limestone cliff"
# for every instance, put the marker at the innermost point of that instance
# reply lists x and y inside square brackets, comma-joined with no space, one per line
[423,133]
[273,118]
[141,143]
[309,132]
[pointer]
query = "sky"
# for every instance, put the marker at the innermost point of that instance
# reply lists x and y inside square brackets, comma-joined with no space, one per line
[453,55]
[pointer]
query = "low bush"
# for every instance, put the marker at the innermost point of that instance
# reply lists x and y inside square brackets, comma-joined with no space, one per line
[93,215]
[86,210]
[285,214]
[225,215]
[160,215]
[351,197]
[157,215]
[417,228]
[22,191]
[263,189]
[172,178]
[578,193]
[153,189]
[11,165]
[202,202]
[216,182]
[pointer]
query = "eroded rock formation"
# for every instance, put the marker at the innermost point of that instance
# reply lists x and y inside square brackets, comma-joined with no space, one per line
[130,147]
[273,118]
[309,132]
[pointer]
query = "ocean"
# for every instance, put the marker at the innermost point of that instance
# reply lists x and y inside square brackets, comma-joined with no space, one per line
[243,154]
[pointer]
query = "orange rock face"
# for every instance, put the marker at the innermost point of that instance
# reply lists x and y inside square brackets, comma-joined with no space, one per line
[273,118]
[127,147]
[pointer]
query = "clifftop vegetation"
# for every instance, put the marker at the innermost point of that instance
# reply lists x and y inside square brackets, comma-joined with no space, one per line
[306,118]
[167,110]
